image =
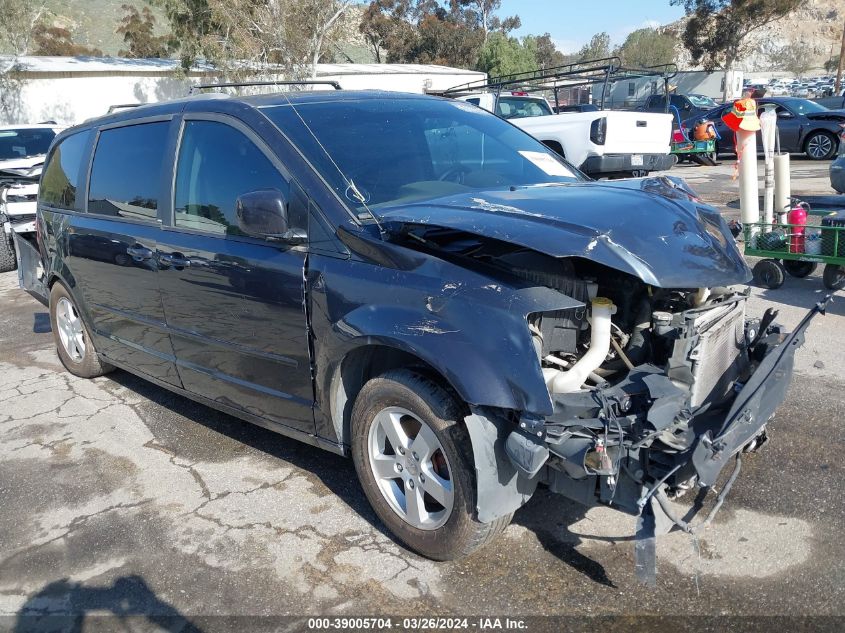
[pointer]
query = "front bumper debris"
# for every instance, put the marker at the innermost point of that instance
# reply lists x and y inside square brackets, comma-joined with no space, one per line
[634,445]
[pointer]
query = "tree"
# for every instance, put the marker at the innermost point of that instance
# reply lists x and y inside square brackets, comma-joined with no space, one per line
[716,33]
[597,48]
[502,55]
[647,47]
[238,35]
[138,30]
[17,21]
[795,58]
[548,56]
[58,42]
[831,64]
[315,20]
[449,32]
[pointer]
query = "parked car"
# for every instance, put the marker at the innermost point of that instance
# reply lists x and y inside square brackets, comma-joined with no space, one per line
[417,283]
[22,152]
[804,127]
[604,143]
[690,106]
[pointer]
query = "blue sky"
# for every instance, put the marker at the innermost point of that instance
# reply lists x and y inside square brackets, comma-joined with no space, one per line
[572,23]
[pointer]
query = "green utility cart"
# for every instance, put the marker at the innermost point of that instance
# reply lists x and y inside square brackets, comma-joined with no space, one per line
[797,249]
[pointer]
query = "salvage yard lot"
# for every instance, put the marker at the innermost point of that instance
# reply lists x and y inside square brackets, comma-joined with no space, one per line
[118,496]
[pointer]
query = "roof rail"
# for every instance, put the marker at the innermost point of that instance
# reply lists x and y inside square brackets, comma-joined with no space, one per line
[124,106]
[240,84]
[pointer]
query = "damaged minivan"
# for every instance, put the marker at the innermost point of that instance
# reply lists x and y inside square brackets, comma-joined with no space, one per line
[419,284]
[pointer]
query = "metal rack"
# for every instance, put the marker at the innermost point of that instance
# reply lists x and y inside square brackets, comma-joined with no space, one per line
[604,71]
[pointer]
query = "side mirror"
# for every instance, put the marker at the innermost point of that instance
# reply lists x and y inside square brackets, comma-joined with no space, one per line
[264,213]
[783,114]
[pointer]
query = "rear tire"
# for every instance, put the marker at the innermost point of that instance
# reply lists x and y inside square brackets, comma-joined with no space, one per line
[798,268]
[834,277]
[7,253]
[73,341]
[415,411]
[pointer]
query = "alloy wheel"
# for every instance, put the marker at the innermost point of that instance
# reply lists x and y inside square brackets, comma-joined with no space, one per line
[411,469]
[819,146]
[70,330]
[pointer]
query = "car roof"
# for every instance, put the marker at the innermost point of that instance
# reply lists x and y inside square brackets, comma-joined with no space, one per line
[175,106]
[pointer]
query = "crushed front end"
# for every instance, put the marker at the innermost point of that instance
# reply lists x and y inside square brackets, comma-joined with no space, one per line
[654,391]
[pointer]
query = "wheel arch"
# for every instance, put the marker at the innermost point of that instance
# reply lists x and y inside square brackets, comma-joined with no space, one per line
[555,146]
[364,362]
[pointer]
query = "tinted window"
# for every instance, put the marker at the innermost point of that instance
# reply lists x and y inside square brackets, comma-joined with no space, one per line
[25,142]
[218,163]
[61,174]
[126,175]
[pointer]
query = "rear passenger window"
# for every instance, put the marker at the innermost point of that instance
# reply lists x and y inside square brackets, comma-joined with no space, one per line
[60,179]
[218,163]
[126,174]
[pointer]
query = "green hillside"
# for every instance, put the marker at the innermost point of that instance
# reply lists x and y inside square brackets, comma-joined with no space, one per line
[93,22]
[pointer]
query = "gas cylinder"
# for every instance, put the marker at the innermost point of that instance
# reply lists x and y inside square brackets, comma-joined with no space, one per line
[704,131]
[797,218]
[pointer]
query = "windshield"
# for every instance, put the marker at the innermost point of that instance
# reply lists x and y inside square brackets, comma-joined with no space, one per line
[803,106]
[400,150]
[701,101]
[25,142]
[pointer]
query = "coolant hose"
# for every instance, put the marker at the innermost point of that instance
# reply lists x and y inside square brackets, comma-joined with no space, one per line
[572,379]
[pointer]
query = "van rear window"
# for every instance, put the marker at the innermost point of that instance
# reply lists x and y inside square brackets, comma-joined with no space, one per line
[127,169]
[60,178]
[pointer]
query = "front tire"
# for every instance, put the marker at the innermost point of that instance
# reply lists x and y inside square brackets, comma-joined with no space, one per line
[73,341]
[7,253]
[769,273]
[414,460]
[820,146]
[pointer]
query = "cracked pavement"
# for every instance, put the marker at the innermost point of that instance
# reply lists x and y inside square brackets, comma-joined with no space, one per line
[123,490]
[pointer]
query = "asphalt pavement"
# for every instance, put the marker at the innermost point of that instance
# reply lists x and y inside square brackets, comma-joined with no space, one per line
[118,497]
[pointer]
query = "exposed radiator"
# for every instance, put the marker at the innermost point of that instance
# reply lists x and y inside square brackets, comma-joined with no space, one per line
[717,356]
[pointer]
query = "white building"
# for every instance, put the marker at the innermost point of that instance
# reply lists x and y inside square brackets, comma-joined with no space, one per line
[69,90]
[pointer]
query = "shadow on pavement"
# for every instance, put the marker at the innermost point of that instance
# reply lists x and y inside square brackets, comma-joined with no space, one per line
[65,606]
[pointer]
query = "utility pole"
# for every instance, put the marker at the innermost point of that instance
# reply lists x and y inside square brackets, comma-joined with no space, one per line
[838,86]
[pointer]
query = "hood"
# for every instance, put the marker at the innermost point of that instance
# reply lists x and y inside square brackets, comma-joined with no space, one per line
[647,227]
[830,115]
[22,165]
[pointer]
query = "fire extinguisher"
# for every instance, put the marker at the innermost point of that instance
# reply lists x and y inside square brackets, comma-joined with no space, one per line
[797,219]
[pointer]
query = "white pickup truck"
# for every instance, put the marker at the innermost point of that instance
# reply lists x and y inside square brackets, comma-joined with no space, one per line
[603,143]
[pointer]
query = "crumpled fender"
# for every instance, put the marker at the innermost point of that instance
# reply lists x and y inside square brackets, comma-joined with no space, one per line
[470,328]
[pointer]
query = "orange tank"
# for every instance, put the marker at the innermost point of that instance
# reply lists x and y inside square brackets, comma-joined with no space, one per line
[704,131]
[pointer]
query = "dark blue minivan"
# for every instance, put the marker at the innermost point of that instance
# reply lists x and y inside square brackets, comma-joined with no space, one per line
[417,283]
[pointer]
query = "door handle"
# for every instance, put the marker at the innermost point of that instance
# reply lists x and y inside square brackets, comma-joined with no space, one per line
[177,260]
[139,253]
